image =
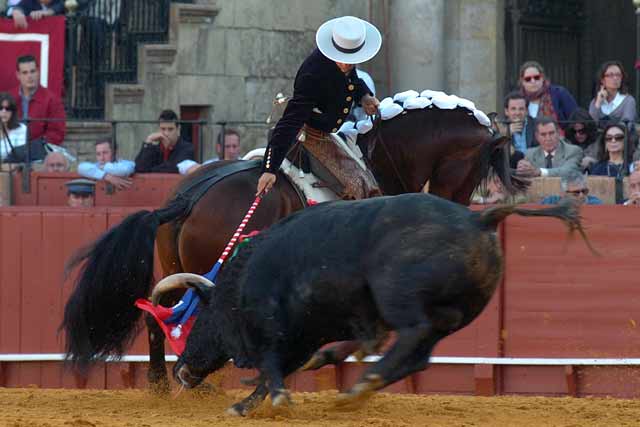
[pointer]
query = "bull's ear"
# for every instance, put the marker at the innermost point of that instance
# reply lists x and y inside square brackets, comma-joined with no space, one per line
[202,290]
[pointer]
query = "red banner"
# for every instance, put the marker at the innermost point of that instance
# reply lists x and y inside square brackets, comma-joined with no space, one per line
[43,39]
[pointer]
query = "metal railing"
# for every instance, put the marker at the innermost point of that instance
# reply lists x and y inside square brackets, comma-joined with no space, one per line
[191,129]
[102,47]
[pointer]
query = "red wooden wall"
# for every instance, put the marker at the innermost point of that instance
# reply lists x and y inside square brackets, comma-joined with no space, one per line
[48,189]
[556,300]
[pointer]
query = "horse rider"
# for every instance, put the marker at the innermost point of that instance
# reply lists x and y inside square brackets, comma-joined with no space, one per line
[325,89]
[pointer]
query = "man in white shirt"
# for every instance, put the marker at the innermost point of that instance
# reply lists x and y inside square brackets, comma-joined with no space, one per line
[106,168]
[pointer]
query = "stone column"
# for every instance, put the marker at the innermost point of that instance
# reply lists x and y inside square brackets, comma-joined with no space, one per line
[416,44]
[474,51]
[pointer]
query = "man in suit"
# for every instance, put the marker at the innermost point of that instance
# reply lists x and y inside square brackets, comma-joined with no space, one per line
[552,157]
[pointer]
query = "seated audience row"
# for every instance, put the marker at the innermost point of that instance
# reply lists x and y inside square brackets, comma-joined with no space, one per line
[611,104]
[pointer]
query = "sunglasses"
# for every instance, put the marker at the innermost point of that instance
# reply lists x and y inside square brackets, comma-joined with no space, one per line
[614,138]
[580,131]
[584,191]
[6,108]
[529,79]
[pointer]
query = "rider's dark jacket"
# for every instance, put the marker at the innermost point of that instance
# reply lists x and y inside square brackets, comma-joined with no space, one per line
[322,99]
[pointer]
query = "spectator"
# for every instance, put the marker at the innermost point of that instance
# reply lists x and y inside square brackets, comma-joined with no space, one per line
[553,157]
[545,99]
[519,126]
[34,9]
[611,161]
[493,193]
[37,102]
[612,103]
[634,190]
[56,162]
[12,133]
[231,152]
[164,149]
[80,193]
[107,168]
[582,132]
[574,185]
[231,146]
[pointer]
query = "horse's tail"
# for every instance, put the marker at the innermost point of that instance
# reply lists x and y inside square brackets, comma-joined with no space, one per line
[566,211]
[100,317]
[499,162]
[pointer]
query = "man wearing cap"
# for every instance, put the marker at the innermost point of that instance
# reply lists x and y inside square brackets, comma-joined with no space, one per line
[80,193]
[325,89]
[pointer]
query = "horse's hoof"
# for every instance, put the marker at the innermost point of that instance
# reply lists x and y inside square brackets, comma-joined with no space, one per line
[317,361]
[237,410]
[283,398]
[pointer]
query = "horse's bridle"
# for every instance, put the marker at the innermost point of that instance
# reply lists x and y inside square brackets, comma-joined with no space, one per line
[377,128]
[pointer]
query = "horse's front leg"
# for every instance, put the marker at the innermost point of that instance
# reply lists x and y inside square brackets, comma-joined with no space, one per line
[157,374]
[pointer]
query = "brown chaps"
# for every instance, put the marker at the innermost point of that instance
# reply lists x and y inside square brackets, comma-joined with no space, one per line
[334,166]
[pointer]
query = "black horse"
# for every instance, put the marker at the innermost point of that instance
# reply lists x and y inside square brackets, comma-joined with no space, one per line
[447,148]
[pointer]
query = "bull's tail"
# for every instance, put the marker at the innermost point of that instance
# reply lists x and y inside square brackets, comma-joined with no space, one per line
[100,317]
[567,211]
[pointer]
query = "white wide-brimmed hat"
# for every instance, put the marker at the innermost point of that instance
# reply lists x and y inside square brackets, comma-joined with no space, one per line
[348,39]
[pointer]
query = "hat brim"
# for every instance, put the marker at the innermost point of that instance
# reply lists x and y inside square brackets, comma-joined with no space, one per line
[372,43]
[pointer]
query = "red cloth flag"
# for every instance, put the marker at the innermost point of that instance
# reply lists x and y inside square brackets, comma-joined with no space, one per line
[44,39]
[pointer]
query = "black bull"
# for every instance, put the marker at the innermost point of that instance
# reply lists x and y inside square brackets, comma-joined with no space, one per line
[415,264]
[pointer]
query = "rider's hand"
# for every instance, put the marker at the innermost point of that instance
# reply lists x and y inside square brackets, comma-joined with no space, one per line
[370,104]
[265,183]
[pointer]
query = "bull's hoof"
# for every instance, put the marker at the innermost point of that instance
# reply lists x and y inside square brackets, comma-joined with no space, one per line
[237,410]
[360,392]
[281,399]
[317,361]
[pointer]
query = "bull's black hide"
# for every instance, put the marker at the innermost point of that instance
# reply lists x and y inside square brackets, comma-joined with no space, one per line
[415,264]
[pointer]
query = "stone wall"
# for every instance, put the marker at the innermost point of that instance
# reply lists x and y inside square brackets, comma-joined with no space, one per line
[230,58]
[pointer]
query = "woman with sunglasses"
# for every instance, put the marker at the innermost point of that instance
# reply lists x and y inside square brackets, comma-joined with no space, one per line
[582,132]
[12,133]
[612,103]
[544,98]
[612,148]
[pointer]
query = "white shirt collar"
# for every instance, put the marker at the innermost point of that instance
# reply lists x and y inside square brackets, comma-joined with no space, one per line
[608,107]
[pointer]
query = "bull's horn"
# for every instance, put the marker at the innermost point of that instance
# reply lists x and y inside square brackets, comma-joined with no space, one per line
[177,281]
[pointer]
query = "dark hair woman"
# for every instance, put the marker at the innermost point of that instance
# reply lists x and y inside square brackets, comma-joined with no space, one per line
[612,103]
[612,155]
[583,132]
[544,98]
[12,133]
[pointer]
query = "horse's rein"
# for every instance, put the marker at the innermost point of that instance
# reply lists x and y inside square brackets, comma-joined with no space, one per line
[377,127]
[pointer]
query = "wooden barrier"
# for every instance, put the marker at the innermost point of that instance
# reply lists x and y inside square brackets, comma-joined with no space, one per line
[48,189]
[556,300]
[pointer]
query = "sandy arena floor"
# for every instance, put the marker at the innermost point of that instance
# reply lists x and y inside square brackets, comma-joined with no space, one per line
[135,408]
